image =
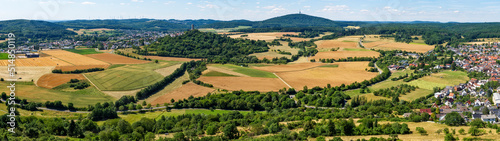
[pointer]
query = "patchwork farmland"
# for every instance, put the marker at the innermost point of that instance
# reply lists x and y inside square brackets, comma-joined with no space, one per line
[116,59]
[296,75]
[73,58]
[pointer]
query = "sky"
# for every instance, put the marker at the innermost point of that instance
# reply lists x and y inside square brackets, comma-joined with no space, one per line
[255,10]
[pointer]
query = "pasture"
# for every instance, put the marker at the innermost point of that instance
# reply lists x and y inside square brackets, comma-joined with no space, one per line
[4,56]
[53,80]
[27,73]
[80,98]
[41,61]
[73,58]
[184,92]
[84,51]
[129,77]
[245,70]
[375,42]
[116,59]
[425,84]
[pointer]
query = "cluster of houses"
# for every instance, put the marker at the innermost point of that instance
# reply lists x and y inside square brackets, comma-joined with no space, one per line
[128,39]
[479,58]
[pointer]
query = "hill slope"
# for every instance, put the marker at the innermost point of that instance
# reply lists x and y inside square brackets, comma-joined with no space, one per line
[295,20]
[34,29]
[134,24]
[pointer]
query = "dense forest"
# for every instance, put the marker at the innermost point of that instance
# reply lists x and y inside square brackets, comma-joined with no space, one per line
[32,29]
[196,44]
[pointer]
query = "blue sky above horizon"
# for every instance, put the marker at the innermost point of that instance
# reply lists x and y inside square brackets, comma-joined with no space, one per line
[255,10]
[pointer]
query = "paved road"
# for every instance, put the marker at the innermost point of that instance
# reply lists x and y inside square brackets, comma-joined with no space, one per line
[379,70]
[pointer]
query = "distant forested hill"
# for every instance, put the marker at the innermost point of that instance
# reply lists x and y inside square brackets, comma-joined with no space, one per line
[290,20]
[133,24]
[196,44]
[34,29]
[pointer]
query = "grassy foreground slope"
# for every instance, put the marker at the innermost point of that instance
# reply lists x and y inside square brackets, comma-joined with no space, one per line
[80,98]
[246,71]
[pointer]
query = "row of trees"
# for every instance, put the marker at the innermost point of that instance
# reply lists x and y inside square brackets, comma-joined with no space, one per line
[77,71]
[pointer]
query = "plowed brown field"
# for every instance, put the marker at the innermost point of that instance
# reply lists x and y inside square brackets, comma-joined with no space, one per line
[344,54]
[53,80]
[186,90]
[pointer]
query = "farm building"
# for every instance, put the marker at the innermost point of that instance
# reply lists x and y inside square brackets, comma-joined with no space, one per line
[32,55]
[496,98]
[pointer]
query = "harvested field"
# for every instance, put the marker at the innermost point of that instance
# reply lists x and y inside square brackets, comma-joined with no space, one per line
[336,43]
[289,67]
[72,68]
[168,70]
[73,58]
[116,59]
[244,83]
[268,36]
[375,42]
[344,54]
[171,58]
[53,80]
[345,73]
[27,73]
[186,90]
[41,61]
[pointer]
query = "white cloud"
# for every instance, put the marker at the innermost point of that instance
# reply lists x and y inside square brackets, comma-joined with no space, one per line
[208,6]
[335,8]
[124,3]
[137,1]
[257,2]
[440,7]
[363,10]
[189,3]
[307,6]
[278,10]
[169,2]
[390,9]
[269,7]
[456,11]
[88,3]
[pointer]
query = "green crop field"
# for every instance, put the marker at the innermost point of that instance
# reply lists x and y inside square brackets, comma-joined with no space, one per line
[425,84]
[129,77]
[356,49]
[83,51]
[4,56]
[80,98]
[247,71]
[330,66]
[216,73]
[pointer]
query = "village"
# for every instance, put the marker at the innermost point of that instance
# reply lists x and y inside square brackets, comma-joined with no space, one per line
[477,98]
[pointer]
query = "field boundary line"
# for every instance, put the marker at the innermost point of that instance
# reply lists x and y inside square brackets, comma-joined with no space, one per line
[282,80]
[91,82]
